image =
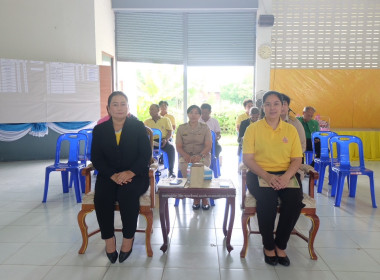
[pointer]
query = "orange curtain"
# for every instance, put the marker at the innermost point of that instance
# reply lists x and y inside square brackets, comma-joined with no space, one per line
[351,98]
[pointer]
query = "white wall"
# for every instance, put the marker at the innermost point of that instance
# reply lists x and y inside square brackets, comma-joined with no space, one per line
[104,29]
[263,37]
[48,30]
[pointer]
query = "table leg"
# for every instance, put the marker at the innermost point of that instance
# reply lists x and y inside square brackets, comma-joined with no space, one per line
[167,220]
[163,219]
[226,210]
[231,202]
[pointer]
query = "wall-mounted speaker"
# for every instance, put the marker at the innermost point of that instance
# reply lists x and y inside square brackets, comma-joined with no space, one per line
[266,20]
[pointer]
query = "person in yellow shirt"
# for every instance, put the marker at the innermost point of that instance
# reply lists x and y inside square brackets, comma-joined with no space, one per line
[165,126]
[248,104]
[272,152]
[164,112]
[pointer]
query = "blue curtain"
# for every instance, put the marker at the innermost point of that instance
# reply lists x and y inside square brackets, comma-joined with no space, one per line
[13,132]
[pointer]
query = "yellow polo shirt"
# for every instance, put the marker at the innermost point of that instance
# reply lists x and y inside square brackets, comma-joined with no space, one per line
[272,148]
[241,118]
[162,124]
[171,118]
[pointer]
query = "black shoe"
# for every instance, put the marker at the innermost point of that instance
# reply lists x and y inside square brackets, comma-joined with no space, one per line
[124,255]
[196,206]
[112,256]
[172,176]
[283,260]
[270,260]
[205,206]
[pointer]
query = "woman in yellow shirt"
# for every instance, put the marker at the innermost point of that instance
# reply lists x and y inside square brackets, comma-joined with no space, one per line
[272,152]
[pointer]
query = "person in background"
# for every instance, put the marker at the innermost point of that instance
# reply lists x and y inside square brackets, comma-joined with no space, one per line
[254,114]
[272,152]
[164,113]
[213,124]
[165,126]
[121,154]
[310,126]
[292,120]
[259,105]
[194,143]
[248,104]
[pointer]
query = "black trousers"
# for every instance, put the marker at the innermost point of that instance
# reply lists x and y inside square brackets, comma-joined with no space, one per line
[266,209]
[169,149]
[128,196]
[317,145]
[218,149]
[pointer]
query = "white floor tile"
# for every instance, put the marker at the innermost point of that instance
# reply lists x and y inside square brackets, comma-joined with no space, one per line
[22,272]
[76,273]
[133,273]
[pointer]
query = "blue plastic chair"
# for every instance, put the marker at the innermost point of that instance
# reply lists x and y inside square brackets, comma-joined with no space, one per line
[83,158]
[214,166]
[308,156]
[88,132]
[73,165]
[158,152]
[341,165]
[323,161]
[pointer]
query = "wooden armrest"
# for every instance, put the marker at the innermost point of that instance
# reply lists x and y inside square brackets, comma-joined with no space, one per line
[313,175]
[86,172]
[152,183]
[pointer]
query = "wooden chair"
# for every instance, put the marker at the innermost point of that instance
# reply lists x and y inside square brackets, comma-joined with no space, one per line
[249,210]
[147,203]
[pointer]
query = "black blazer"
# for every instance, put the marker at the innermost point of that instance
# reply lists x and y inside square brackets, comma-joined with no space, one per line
[133,152]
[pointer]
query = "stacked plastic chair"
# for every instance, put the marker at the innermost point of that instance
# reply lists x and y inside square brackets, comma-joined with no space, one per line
[323,161]
[72,166]
[341,165]
[84,157]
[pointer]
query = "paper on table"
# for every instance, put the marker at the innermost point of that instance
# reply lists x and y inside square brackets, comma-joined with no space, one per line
[165,183]
[293,183]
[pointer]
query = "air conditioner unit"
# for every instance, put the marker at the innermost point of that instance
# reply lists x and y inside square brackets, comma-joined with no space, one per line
[266,20]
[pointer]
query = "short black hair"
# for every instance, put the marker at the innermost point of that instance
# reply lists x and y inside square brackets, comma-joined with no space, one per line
[194,107]
[206,106]
[246,101]
[307,108]
[272,92]
[116,93]
[163,102]
[285,98]
[254,111]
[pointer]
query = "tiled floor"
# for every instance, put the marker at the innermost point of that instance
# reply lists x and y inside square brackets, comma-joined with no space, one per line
[41,241]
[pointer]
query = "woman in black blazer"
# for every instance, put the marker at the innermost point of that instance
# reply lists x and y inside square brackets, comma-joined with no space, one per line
[121,153]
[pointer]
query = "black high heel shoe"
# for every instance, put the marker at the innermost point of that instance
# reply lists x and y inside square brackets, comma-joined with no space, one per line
[112,256]
[283,260]
[124,255]
[270,260]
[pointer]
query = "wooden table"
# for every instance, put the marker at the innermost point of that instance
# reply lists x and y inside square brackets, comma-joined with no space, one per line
[212,190]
